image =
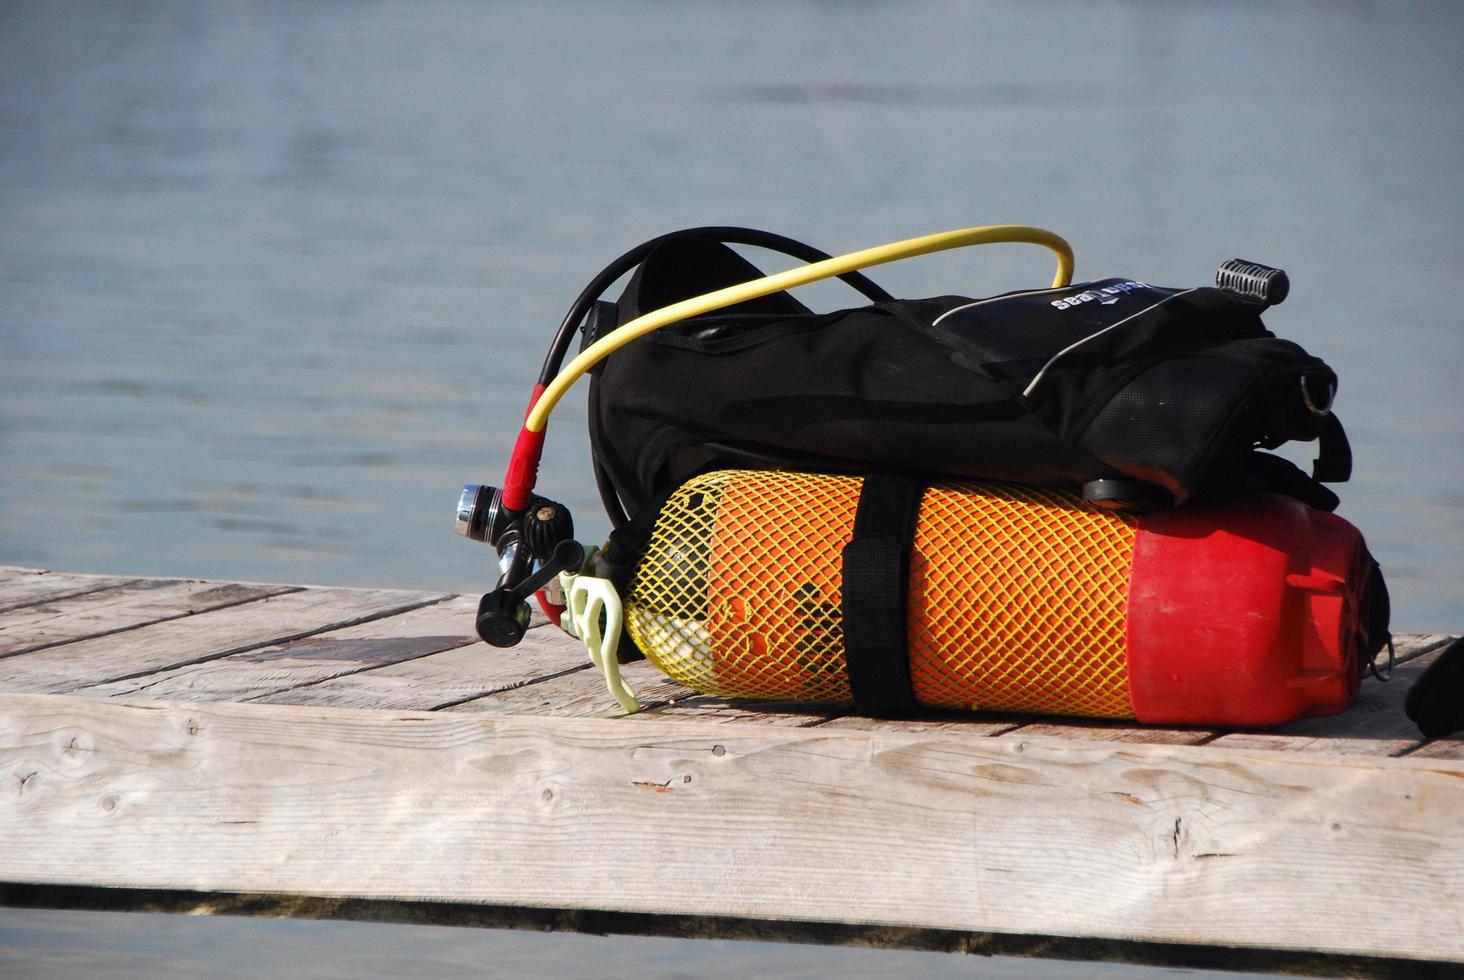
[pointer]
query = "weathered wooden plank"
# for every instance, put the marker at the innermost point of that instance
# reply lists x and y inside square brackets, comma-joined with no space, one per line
[972,725]
[1374,725]
[300,663]
[575,693]
[442,679]
[1441,748]
[1182,844]
[1406,646]
[122,607]
[706,709]
[12,574]
[206,636]
[579,692]
[978,724]
[1103,731]
[1022,726]
[22,587]
[573,689]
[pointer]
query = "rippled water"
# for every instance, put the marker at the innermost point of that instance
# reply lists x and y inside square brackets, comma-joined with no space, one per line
[275,277]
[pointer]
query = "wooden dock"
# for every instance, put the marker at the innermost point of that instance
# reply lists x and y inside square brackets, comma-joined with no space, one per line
[213,746]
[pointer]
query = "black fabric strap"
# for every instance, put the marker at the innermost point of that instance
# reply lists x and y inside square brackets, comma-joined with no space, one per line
[876,588]
[1379,609]
[1268,472]
[1334,458]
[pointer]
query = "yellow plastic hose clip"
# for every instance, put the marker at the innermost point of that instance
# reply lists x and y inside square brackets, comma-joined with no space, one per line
[588,599]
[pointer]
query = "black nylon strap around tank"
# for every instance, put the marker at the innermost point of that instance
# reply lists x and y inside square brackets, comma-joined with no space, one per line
[876,587]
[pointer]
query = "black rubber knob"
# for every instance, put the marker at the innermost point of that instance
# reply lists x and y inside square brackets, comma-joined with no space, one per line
[503,618]
[1253,281]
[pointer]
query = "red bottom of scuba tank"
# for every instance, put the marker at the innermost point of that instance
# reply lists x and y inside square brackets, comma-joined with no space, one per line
[1248,613]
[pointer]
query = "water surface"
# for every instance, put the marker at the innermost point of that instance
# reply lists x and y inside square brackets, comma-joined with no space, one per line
[275,276]
[37,944]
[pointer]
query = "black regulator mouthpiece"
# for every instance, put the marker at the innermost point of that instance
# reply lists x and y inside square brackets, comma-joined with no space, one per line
[534,545]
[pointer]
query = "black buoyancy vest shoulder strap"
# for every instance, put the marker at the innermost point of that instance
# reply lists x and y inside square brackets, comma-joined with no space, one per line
[875,594]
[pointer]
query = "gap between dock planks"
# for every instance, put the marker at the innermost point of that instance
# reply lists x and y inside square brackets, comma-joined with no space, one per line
[176,642]
[1159,843]
[118,608]
[21,587]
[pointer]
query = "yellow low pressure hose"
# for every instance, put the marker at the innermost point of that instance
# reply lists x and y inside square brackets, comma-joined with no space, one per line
[801,276]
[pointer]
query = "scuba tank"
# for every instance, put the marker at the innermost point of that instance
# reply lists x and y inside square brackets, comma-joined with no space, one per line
[1142,556]
[888,594]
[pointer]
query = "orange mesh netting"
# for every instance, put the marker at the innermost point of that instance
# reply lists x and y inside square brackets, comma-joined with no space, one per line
[1018,600]
[1017,594]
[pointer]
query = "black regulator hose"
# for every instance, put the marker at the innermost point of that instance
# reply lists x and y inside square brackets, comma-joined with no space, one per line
[725,234]
[728,235]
